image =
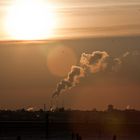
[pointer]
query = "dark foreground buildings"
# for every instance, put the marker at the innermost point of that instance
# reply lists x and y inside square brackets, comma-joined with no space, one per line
[65,123]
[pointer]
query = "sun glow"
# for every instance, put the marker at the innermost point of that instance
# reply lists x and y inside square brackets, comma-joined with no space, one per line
[30,20]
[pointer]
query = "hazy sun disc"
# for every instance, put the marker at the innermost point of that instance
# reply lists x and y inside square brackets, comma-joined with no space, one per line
[30,20]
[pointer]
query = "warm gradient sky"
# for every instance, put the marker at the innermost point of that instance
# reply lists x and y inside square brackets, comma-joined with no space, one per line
[30,71]
[84,17]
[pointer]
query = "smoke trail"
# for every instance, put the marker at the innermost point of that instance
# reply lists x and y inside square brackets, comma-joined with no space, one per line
[72,79]
[92,63]
[97,61]
[116,65]
[126,54]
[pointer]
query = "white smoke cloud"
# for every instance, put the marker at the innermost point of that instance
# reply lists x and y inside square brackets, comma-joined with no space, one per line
[30,109]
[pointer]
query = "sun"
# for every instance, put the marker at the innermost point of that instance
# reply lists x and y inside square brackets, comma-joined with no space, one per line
[30,20]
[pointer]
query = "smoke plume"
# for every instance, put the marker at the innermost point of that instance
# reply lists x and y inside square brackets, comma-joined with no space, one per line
[89,63]
[72,79]
[97,61]
[92,63]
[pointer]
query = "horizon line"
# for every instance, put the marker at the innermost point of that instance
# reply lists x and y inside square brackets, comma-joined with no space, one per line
[65,38]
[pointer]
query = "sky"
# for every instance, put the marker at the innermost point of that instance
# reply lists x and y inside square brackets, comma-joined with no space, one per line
[31,70]
[86,18]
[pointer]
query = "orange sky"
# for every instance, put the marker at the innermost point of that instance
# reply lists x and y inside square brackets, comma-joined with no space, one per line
[30,71]
[87,18]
